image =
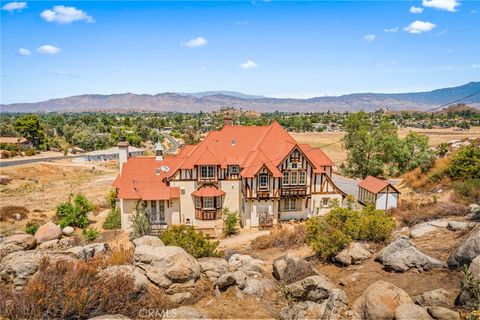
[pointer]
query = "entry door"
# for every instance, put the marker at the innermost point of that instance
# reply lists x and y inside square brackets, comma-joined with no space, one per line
[265,217]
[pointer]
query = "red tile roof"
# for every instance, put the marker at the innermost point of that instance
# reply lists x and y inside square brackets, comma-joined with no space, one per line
[250,147]
[139,179]
[208,191]
[373,184]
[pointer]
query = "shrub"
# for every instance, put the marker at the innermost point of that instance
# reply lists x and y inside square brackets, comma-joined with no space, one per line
[120,254]
[74,214]
[30,152]
[472,286]
[230,222]
[90,234]
[468,190]
[31,228]
[140,224]
[281,238]
[111,198]
[325,239]
[465,163]
[113,220]
[410,213]
[330,234]
[194,242]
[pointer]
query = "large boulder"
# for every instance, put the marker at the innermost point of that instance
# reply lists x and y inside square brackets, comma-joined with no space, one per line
[87,252]
[459,225]
[424,228]
[468,249]
[48,231]
[314,288]
[473,212]
[111,317]
[16,242]
[379,301]
[401,255]
[183,312]
[355,253]
[411,312]
[254,287]
[148,241]
[465,297]
[224,281]
[167,266]
[291,266]
[438,297]
[18,267]
[55,244]
[247,264]
[141,282]
[441,313]
[68,231]
[213,268]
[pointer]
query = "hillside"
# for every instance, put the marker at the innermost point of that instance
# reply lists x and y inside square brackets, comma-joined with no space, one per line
[213,100]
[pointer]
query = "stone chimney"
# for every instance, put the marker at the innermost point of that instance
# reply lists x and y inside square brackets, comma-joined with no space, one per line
[227,121]
[122,152]
[158,151]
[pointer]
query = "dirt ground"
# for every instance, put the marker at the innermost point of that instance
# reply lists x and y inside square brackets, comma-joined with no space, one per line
[40,187]
[437,244]
[332,145]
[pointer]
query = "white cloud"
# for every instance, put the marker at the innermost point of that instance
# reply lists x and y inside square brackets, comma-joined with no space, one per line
[65,15]
[48,49]
[391,30]
[418,27]
[416,10]
[475,66]
[369,37]
[195,42]
[24,52]
[12,6]
[388,64]
[449,5]
[249,65]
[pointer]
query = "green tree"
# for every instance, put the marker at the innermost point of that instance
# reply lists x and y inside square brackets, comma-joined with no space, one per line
[465,163]
[230,222]
[194,242]
[74,213]
[29,126]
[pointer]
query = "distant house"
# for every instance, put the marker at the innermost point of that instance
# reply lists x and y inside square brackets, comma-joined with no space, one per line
[110,154]
[380,192]
[15,141]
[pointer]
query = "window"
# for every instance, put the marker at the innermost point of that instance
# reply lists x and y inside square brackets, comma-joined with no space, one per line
[294,165]
[233,170]
[302,177]
[295,155]
[293,179]
[207,172]
[263,181]
[208,203]
[325,202]
[286,178]
[289,204]
[198,202]
[157,211]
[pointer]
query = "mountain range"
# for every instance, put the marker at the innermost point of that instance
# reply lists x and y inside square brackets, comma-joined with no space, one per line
[213,100]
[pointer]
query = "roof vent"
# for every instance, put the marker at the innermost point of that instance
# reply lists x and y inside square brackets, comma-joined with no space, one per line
[234,142]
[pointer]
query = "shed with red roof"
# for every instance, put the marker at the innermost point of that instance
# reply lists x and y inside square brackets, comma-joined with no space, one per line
[378,191]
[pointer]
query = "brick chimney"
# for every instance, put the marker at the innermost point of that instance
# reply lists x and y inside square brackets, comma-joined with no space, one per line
[122,152]
[227,121]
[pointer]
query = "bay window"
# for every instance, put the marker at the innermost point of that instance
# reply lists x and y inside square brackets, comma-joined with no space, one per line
[208,203]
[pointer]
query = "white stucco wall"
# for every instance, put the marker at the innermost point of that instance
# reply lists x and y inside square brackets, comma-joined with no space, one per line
[187,208]
[317,200]
[383,204]
[232,195]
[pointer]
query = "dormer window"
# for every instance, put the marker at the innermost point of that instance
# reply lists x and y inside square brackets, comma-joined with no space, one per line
[207,172]
[263,181]
[233,170]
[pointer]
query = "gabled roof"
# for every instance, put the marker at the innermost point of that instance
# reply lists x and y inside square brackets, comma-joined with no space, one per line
[375,185]
[139,179]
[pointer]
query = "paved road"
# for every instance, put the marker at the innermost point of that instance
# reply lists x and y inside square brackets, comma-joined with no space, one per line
[350,186]
[4,164]
[174,144]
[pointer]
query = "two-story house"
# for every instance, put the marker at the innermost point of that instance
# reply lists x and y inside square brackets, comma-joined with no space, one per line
[259,171]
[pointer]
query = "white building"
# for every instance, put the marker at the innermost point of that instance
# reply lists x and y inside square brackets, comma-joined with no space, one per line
[380,192]
[111,154]
[261,172]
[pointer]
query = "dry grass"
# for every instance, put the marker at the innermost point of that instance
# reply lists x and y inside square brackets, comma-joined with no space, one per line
[410,213]
[8,212]
[120,254]
[284,237]
[435,178]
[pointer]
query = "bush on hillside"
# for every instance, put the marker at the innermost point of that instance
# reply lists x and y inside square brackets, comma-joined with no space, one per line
[194,242]
[410,213]
[90,234]
[465,163]
[74,213]
[230,222]
[31,228]
[113,220]
[330,234]
[467,191]
[284,237]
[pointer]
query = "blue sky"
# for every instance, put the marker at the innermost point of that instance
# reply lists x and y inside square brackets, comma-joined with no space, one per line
[275,48]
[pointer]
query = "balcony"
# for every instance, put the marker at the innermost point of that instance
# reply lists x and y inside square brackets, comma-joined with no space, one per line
[294,191]
[207,214]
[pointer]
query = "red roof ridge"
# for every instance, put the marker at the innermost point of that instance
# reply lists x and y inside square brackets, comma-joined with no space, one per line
[374,184]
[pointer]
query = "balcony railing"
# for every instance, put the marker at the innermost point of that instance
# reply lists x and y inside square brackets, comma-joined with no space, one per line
[294,192]
[206,214]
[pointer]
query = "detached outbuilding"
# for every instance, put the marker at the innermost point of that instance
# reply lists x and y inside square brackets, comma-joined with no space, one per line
[380,192]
